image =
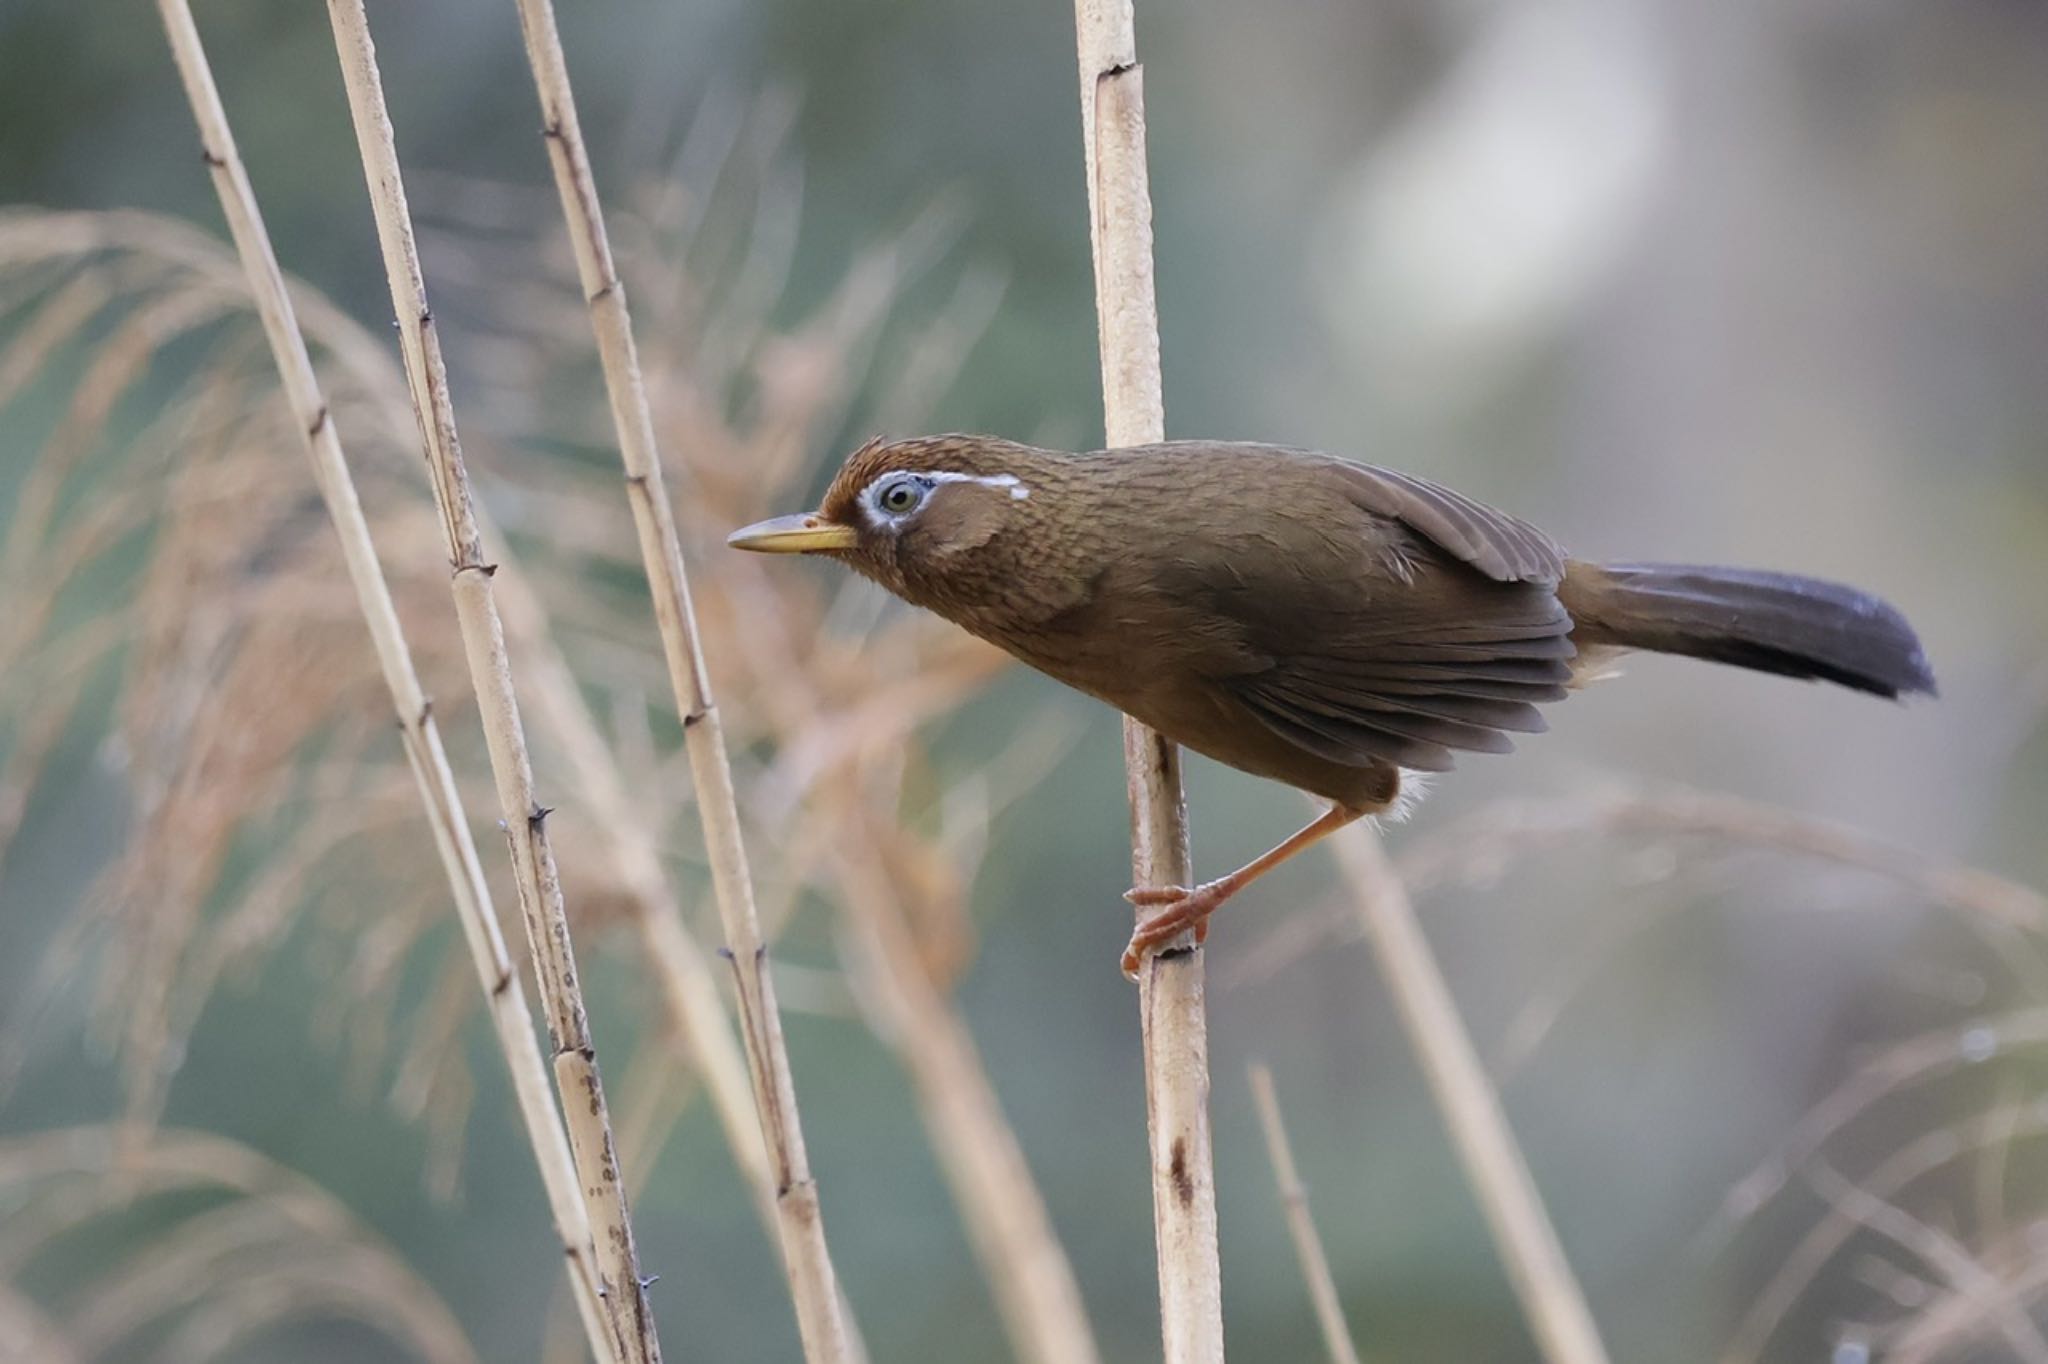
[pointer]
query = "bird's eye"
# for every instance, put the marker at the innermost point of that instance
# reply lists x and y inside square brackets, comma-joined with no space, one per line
[900,496]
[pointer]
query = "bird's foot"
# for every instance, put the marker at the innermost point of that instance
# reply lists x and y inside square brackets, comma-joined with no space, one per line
[1184,909]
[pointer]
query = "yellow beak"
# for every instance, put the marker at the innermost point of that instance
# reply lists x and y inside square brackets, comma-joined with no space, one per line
[805,533]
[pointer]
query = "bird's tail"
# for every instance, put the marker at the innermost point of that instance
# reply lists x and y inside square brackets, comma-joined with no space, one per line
[1771,622]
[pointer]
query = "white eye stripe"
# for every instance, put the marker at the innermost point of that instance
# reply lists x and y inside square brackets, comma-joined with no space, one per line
[1018,492]
[871,496]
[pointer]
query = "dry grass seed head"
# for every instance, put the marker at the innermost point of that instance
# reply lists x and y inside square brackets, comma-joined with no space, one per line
[261,1247]
[242,663]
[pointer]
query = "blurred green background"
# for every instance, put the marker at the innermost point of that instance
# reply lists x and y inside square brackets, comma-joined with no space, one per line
[1759,281]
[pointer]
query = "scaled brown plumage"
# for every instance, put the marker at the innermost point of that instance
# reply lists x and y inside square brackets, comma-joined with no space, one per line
[1323,623]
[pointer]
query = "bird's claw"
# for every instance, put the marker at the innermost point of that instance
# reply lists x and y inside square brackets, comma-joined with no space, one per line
[1185,909]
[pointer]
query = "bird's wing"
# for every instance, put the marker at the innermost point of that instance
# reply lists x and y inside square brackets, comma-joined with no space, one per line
[1504,548]
[1393,645]
[1412,698]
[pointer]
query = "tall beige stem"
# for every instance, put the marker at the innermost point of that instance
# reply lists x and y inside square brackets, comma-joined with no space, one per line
[1500,1179]
[446,820]
[628,1319]
[684,971]
[1308,1247]
[1006,1219]
[1172,1009]
[814,1285]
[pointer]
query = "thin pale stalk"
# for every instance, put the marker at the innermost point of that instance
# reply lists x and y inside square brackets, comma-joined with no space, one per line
[1172,1008]
[814,1284]
[682,968]
[1543,1281]
[1308,1246]
[1006,1219]
[621,1291]
[504,998]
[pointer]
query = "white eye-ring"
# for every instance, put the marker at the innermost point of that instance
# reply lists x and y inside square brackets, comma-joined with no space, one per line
[892,497]
[900,497]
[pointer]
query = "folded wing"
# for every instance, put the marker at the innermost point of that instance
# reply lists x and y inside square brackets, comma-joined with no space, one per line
[1435,629]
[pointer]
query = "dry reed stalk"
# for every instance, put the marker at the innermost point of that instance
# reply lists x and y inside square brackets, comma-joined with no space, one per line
[681,967]
[1500,1179]
[1172,1008]
[896,978]
[366,388]
[1006,1218]
[505,1000]
[1308,1247]
[967,1129]
[814,1284]
[621,1291]
[799,1217]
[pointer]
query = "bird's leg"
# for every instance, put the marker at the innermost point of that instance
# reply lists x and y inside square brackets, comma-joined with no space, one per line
[1186,908]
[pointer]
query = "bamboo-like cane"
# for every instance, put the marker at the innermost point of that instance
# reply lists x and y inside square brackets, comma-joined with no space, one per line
[1172,1007]
[1550,1295]
[1006,1218]
[621,1290]
[1308,1247]
[448,823]
[814,1285]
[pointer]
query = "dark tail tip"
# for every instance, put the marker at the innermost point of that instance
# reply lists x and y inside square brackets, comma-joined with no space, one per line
[1768,622]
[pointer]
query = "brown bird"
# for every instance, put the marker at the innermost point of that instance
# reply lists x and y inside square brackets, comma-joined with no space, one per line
[1327,624]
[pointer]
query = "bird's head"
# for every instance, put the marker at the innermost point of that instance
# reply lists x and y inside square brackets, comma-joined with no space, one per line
[910,512]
